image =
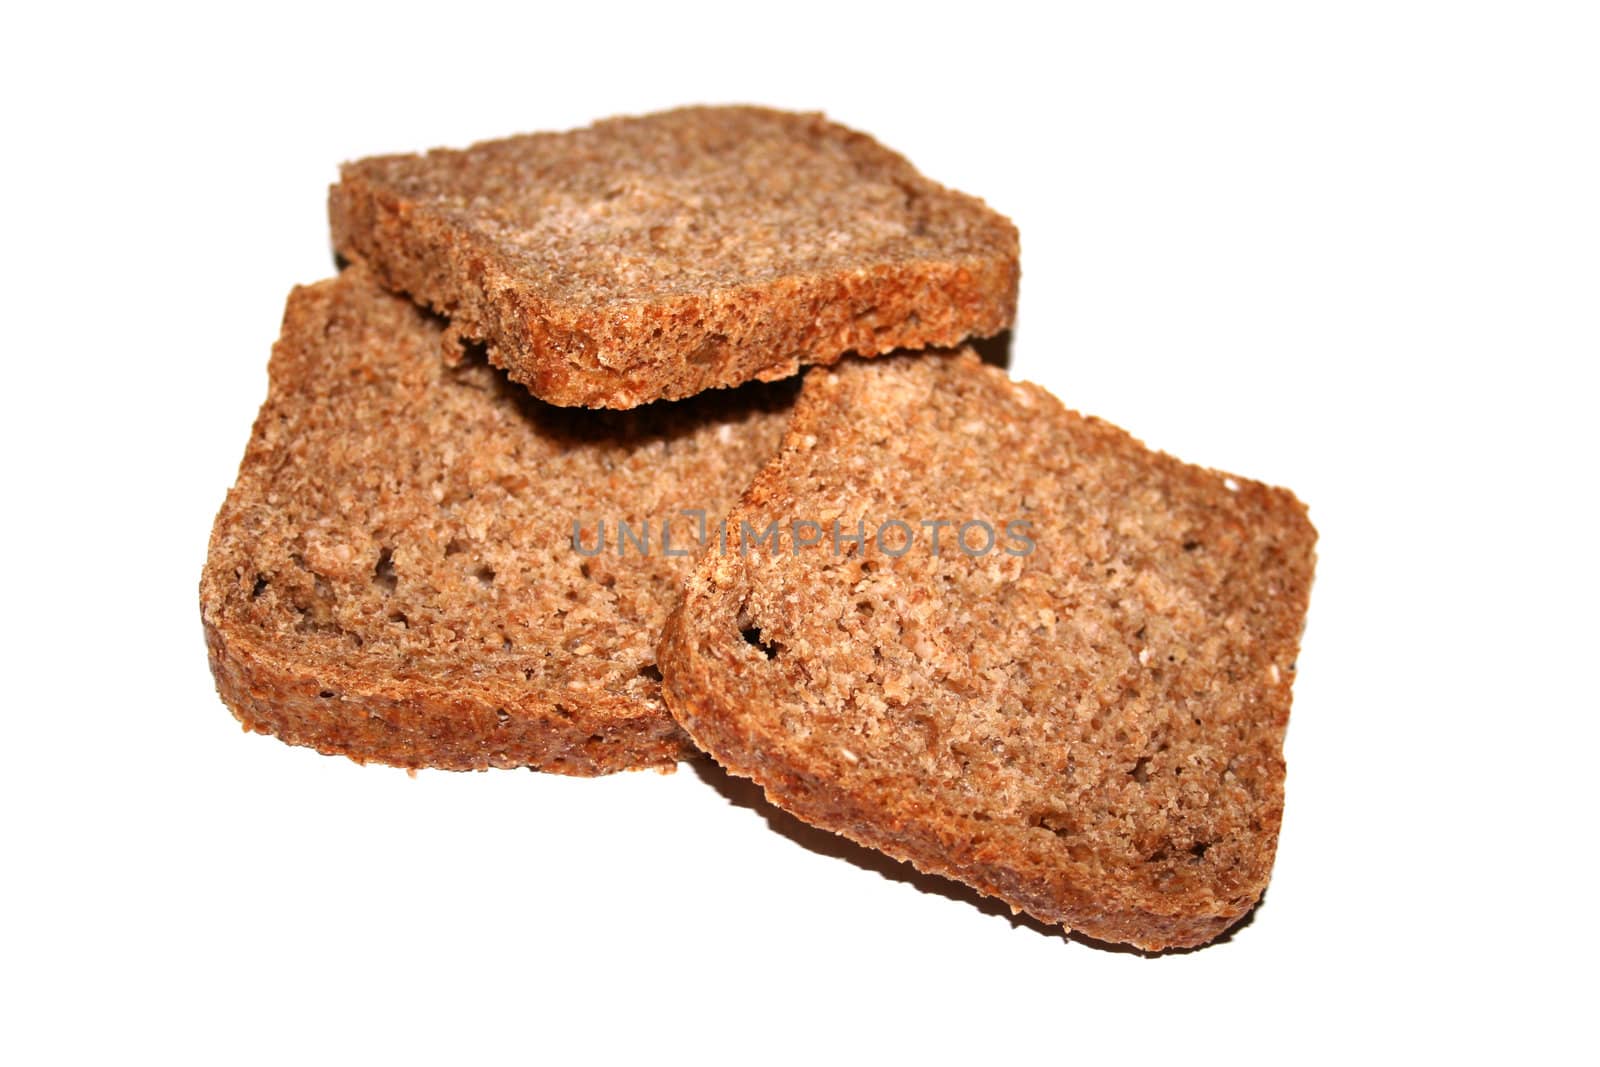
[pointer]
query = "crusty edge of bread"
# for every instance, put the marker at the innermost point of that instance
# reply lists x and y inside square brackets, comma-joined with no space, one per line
[341,711]
[917,842]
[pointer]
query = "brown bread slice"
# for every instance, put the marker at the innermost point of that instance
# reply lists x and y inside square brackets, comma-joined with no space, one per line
[1091,731]
[663,255]
[393,577]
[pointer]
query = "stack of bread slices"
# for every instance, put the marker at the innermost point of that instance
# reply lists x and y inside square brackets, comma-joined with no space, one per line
[611,447]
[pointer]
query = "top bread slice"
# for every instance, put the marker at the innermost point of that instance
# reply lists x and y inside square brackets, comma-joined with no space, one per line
[659,256]
[1076,704]
[394,576]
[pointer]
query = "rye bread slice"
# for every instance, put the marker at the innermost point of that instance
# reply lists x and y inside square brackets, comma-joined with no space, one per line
[1090,729]
[393,577]
[663,255]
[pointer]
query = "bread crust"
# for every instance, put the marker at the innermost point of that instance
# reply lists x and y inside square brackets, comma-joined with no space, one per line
[1091,732]
[370,716]
[392,577]
[659,256]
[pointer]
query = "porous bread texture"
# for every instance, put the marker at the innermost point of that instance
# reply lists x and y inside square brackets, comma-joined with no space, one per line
[393,577]
[662,255]
[1091,731]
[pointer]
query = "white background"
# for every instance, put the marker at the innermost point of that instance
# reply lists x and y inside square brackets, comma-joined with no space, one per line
[1349,248]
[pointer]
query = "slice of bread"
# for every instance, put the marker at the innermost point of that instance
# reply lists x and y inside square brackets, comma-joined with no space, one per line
[1082,715]
[658,256]
[394,576]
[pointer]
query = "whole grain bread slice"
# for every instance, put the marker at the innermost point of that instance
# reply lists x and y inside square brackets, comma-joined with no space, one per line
[1076,704]
[662,255]
[394,576]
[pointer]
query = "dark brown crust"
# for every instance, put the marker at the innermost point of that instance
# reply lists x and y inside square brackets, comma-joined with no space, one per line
[924,266]
[1240,550]
[392,579]
[922,837]
[341,710]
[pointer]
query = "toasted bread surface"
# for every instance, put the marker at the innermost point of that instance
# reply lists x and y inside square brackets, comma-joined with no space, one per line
[394,576]
[1085,719]
[662,255]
